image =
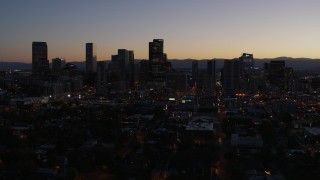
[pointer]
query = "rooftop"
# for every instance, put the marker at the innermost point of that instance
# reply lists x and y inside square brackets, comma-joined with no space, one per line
[314,130]
[200,123]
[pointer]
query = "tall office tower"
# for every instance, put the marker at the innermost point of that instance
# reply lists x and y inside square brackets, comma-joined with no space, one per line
[247,63]
[91,57]
[136,74]
[246,72]
[202,81]
[57,65]
[231,76]
[277,73]
[176,81]
[167,63]
[131,69]
[40,62]
[211,76]
[195,74]
[119,63]
[101,84]
[122,69]
[144,72]
[158,61]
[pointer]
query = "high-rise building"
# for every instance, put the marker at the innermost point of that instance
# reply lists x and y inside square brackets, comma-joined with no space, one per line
[136,74]
[167,63]
[101,83]
[144,72]
[158,61]
[277,73]
[231,76]
[202,80]
[122,68]
[119,63]
[57,65]
[70,70]
[246,72]
[40,62]
[131,69]
[91,57]
[195,73]
[211,76]
[176,81]
[246,65]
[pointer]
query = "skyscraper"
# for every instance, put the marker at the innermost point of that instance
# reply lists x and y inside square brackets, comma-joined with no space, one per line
[231,76]
[195,73]
[144,72]
[57,65]
[277,73]
[40,62]
[101,83]
[158,61]
[246,72]
[176,81]
[211,76]
[122,69]
[91,57]
[131,69]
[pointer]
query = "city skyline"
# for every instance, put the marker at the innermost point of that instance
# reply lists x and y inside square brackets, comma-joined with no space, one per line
[206,30]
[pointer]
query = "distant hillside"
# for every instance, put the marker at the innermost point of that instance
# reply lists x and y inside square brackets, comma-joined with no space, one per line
[14,65]
[28,66]
[295,63]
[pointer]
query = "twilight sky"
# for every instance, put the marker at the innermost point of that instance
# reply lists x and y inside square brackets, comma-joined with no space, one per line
[199,29]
